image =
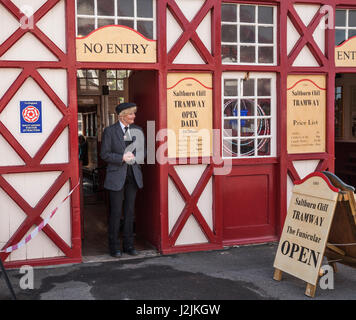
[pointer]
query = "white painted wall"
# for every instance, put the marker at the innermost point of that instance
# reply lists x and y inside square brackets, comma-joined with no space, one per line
[188,54]
[191,232]
[306,13]
[33,186]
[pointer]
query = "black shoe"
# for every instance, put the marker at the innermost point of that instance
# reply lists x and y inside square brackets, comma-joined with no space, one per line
[131,251]
[116,254]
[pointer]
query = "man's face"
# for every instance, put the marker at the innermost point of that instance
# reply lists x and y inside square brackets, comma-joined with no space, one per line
[129,118]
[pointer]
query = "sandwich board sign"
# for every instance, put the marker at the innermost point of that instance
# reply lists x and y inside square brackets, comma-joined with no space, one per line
[306,229]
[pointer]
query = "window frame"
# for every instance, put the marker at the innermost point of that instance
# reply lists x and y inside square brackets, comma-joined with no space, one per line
[345,28]
[273,114]
[256,44]
[115,17]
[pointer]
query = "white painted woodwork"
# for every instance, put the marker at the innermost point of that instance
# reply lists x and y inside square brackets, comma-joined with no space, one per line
[188,55]
[28,48]
[305,167]
[10,116]
[55,31]
[32,186]
[190,7]
[57,80]
[174,31]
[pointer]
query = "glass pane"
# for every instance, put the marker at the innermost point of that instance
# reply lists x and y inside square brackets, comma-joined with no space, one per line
[340,18]
[247,127]
[265,55]
[120,84]
[340,36]
[105,22]
[230,87]
[128,23]
[264,107]
[247,108]
[264,87]
[249,87]
[352,18]
[145,28]
[265,14]
[264,147]
[106,8]
[263,127]
[247,147]
[122,74]
[230,108]
[230,128]
[247,34]
[228,12]
[111,83]
[111,74]
[352,33]
[145,8]
[82,84]
[85,26]
[230,148]
[81,73]
[92,74]
[228,33]
[85,7]
[265,35]
[247,54]
[247,14]
[125,8]
[229,54]
[93,84]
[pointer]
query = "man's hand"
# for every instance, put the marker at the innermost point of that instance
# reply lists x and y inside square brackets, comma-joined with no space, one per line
[129,157]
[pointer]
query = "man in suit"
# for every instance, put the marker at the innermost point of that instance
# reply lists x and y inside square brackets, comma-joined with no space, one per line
[123,148]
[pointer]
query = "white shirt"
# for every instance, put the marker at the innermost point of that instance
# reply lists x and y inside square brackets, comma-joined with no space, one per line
[123,127]
[123,130]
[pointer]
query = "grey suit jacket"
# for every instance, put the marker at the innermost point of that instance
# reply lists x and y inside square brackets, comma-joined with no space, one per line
[112,151]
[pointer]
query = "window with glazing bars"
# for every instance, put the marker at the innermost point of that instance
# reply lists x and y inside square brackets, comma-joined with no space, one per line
[136,14]
[248,34]
[345,25]
[249,115]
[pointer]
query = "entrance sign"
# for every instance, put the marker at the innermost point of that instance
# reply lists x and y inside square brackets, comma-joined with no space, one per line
[345,53]
[115,43]
[31,116]
[189,112]
[306,113]
[306,228]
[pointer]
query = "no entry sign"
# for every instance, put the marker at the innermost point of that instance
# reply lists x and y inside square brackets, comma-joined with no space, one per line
[31,116]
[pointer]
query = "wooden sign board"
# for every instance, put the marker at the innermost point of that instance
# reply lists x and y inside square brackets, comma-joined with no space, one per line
[345,53]
[115,43]
[306,113]
[189,114]
[306,228]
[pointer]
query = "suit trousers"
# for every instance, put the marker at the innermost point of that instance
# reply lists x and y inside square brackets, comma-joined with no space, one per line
[122,201]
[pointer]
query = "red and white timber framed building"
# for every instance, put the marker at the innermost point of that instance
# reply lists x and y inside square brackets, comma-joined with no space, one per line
[249,48]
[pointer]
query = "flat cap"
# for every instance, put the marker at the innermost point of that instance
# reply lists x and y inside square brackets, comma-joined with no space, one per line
[125,105]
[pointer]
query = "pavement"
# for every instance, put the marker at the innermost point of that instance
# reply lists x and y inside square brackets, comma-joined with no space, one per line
[230,274]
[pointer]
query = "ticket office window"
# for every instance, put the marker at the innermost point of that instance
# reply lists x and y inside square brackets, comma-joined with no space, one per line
[249,115]
[345,25]
[136,14]
[248,34]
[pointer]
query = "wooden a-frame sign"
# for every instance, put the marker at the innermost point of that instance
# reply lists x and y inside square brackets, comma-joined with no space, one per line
[322,207]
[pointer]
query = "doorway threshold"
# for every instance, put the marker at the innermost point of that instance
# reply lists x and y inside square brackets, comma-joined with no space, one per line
[108,258]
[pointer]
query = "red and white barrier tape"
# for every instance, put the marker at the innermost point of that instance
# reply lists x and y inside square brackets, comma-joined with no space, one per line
[39,227]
